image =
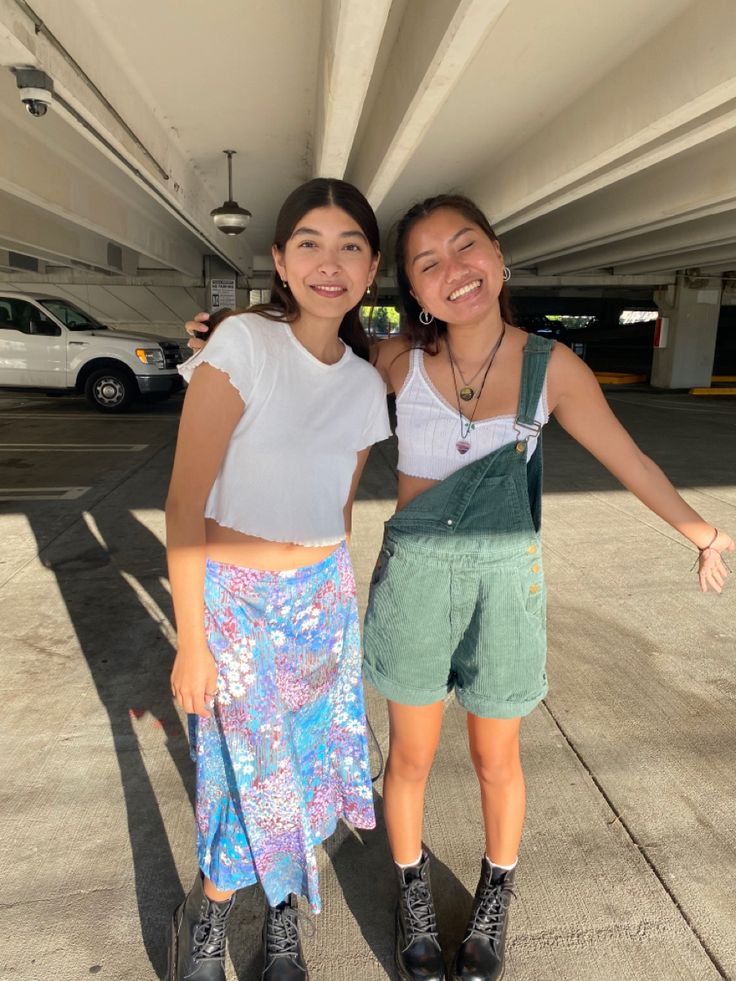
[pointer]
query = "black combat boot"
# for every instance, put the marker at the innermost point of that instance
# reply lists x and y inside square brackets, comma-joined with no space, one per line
[283,959]
[197,949]
[481,955]
[418,952]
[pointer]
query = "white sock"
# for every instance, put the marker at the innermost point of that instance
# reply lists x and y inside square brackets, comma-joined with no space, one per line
[409,865]
[504,868]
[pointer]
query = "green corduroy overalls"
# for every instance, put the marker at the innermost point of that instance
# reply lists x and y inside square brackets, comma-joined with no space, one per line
[457,598]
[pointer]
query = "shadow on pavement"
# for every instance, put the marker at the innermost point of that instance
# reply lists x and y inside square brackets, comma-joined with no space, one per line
[367,877]
[367,885]
[129,660]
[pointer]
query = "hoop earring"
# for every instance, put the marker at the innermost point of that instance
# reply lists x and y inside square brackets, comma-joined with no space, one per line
[506,274]
[425,318]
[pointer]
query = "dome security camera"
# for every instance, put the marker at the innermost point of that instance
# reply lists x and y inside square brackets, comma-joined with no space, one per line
[36,90]
[36,101]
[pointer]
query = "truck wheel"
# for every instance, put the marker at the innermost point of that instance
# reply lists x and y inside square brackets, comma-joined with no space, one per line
[110,390]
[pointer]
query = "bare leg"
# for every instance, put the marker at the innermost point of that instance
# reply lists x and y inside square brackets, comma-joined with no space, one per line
[214,894]
[414,735]
[494,749]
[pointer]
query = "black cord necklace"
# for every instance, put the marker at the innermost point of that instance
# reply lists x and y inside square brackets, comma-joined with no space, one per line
[462,444]
[467,393]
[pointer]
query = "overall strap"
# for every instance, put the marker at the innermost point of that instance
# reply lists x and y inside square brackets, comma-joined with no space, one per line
[533,372]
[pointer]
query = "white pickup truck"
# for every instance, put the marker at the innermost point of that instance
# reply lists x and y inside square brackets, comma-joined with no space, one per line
[48,343]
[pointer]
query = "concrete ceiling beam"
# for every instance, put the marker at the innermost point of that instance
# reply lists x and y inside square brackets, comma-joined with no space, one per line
[43,256]
[17,36]
[436,41]
[54,200]
[36,234]
[84,277]
[661,101]
[715,229]
[723,255]
[351,38]
[594,279]
[146,150]
[658,198]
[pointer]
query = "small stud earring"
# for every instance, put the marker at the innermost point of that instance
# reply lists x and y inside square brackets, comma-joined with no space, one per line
[284,283]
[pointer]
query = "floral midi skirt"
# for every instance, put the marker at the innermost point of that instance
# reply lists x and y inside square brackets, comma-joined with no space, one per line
[284,755]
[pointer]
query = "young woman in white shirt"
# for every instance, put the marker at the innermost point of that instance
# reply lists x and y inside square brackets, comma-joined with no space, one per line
[281,410]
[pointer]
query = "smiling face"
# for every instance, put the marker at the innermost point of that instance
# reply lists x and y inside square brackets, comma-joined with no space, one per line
[327,262]
[454,268]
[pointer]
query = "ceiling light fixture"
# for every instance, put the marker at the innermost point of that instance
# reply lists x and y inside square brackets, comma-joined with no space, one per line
[230,218]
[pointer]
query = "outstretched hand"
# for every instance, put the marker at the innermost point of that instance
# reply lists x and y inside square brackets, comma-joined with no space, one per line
[200,325]
[712,570]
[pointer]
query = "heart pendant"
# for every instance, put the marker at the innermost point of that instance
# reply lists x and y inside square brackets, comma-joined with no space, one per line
[466,394]
[462,446]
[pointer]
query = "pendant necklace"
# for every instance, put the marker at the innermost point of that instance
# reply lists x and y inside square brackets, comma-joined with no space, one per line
[466,425]
[467,392]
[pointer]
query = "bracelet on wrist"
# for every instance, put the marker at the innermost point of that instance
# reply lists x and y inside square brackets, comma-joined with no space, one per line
[710,543]
[704,549]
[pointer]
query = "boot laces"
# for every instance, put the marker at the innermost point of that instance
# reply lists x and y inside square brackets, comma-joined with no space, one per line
[420,909]
[490,913]
[209,934]
[282,931]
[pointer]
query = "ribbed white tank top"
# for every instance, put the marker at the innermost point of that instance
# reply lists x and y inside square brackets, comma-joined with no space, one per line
[428,428]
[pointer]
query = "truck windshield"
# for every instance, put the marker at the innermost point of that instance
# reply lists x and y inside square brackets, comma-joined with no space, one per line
[71,316]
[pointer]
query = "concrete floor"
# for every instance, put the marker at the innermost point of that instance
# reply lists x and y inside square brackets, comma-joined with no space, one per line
[628,860]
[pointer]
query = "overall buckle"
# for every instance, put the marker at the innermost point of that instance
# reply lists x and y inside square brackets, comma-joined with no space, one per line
[534,427]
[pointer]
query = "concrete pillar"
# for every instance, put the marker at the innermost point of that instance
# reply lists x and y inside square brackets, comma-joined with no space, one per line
[689,311]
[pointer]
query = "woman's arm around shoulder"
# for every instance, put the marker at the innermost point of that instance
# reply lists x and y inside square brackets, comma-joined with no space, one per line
[578,404]
[391,359]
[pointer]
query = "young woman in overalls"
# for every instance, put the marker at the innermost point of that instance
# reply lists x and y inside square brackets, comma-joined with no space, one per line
[458,595]
[281,410]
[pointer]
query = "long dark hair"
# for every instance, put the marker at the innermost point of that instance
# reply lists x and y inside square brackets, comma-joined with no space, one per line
[320,193]
[419,335]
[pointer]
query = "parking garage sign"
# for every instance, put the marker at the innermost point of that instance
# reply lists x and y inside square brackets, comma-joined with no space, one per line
[222,294]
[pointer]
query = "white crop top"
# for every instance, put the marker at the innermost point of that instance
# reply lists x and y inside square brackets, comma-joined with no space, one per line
[428,428]
[288,467]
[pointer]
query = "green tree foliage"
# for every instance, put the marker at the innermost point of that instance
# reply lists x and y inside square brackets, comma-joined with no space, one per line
[382,321]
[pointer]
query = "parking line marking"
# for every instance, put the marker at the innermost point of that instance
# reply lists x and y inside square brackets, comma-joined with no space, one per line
[699,409]
[42,493]
[73,447]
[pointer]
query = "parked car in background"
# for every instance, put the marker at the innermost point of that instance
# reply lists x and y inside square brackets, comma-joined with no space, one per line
[50,344]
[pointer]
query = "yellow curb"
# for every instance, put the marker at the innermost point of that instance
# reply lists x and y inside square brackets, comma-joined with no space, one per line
[713,391]
[618,378]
